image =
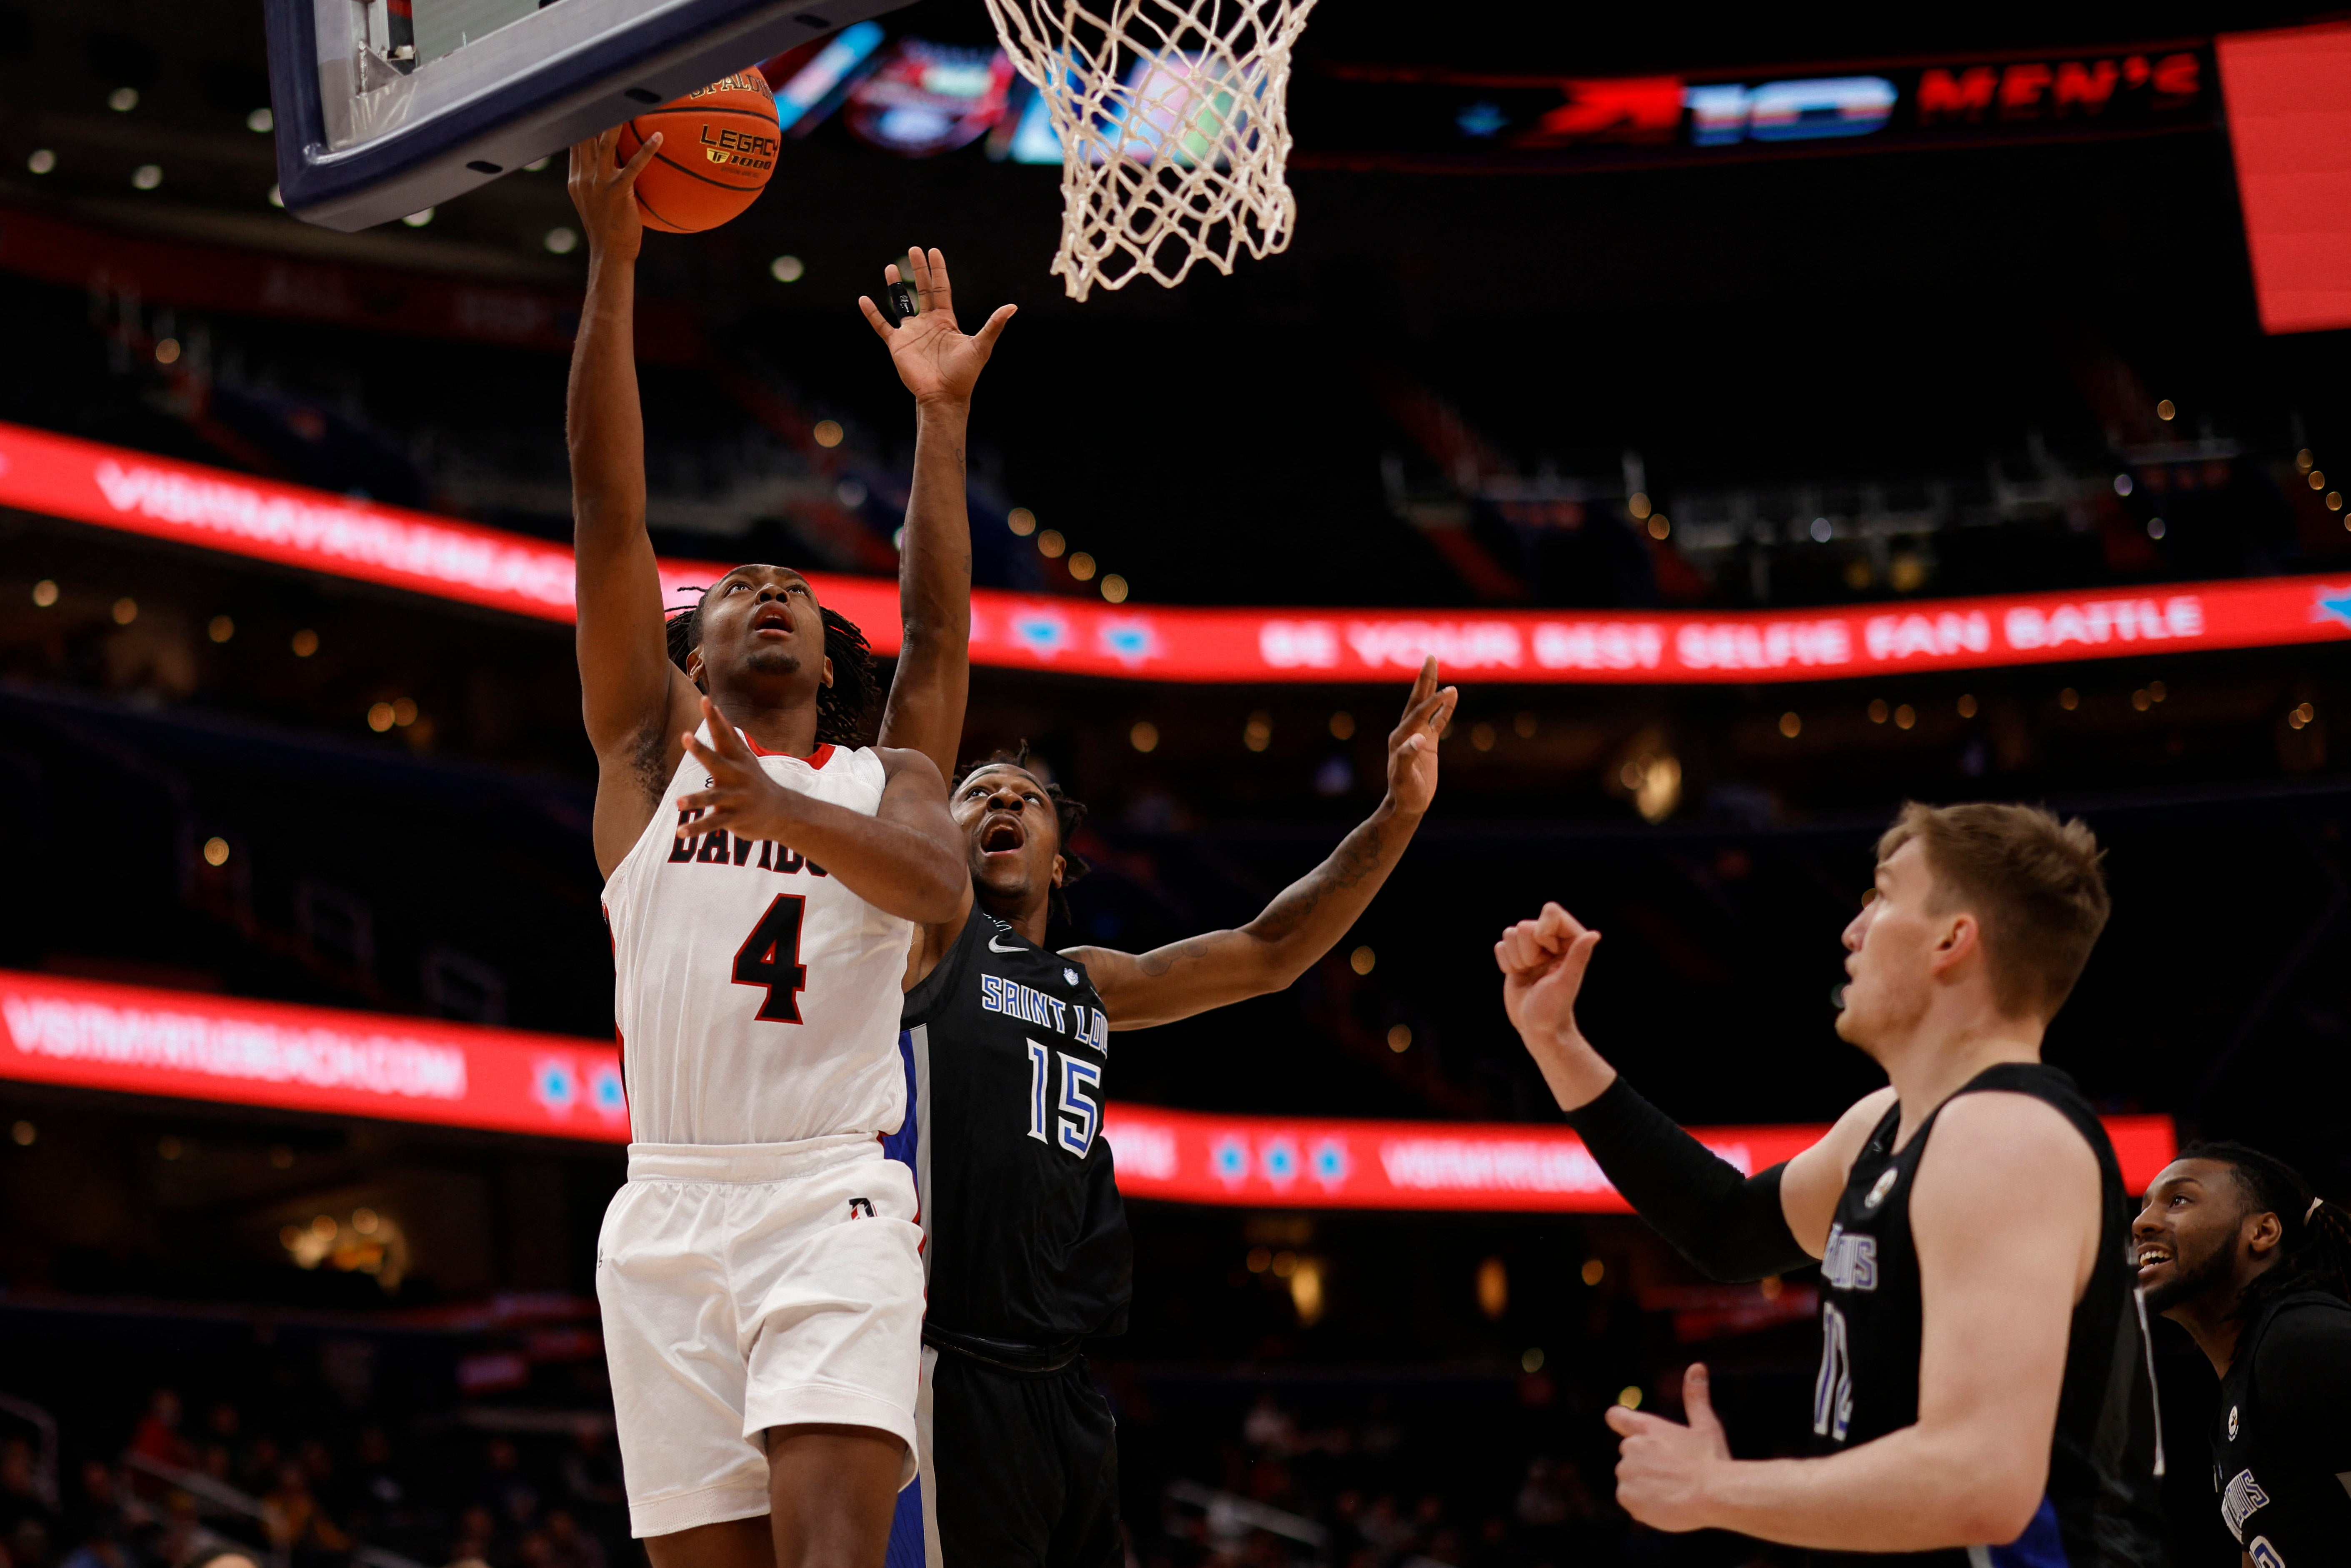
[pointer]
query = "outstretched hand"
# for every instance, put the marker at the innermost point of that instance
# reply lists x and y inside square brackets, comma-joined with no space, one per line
[1412,744]
[604,192]
[1542,962]
[740,795]
[936,359]
[1662,1467]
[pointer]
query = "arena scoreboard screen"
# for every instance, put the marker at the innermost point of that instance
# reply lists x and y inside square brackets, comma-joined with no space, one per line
[384,108]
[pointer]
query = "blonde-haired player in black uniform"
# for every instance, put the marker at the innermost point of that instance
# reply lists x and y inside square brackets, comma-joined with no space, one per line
[1008,1048]
[1984,1398]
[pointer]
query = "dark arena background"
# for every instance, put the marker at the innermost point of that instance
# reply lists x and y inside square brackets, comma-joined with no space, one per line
[1748,484]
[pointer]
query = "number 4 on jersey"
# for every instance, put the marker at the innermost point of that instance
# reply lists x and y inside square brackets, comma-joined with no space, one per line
[770,957]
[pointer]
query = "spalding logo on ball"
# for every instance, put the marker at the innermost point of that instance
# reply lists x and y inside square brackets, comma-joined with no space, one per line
[719,148]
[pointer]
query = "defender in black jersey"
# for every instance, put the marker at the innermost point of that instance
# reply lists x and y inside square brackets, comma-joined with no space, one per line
[1007,1048]
[1008,1045]
[2234,1247]
[1984,1395]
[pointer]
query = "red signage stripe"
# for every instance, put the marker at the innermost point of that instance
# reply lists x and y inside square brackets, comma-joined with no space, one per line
[180,1044]
[2290,130]
[214,509]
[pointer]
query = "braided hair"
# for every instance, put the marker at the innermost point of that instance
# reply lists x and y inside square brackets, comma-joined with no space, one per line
[1069,815]
[845,709]
[2314,1248]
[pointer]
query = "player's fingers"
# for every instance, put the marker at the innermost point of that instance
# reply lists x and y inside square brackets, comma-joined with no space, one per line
[627,179]
[1628,1423]
[1557,923]
[1528,950]
[1545,934]
[1415,719]
[920,265]
[723,738]
[874,319]
[1446,701]
[1425,683]
[1429,713]
[939,285]
[1697,1401]
[993,328]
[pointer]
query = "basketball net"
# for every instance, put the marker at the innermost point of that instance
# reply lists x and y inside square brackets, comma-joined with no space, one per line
[1173,126]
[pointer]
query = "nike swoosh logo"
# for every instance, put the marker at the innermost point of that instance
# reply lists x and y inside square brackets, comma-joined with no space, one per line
[994,949]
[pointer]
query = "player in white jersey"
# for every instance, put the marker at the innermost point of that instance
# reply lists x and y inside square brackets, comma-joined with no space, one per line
[760,1272]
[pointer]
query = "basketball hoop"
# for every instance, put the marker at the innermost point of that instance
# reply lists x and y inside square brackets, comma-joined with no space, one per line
[1174,127]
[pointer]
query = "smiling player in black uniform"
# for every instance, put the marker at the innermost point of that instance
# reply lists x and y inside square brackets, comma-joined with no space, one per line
[1006,1045]
[2235,1248]
[1984,1398]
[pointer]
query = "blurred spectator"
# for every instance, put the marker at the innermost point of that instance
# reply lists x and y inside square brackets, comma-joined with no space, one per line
[257,1465]
[20,1487]
[477,1534]
[375,1499]
[296,1523]
[28,1544]
[509,1494]
[591,1470]
[158,1436]
[569,1546]
[96,1507]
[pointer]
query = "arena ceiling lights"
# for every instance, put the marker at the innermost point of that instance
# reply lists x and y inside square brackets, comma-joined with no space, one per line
[186,1046]
[210,508]
[385,108]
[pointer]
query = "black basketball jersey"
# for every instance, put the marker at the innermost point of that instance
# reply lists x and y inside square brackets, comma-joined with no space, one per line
[2101,1508]
[1006,1048]
[2281,1438]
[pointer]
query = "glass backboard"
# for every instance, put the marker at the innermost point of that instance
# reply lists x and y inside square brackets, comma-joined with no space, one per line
[387,107]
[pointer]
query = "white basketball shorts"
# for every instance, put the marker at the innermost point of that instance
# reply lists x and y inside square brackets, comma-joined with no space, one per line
[746,1286]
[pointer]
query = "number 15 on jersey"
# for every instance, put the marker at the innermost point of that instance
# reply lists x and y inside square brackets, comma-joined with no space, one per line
[1074,1118]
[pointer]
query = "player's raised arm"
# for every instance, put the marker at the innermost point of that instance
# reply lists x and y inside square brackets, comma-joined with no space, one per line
[906,859]
[1308,917]
[2006,1214]
[940,365]
[1731,1226]
[634,699]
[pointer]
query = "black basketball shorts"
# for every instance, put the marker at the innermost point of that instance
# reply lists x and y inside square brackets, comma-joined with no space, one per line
[1021,1467]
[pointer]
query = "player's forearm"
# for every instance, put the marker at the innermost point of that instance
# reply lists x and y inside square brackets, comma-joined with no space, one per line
[1575,1074]
[605,423]
[893,868]
[1310,915]
[928,693]
[1911,1490]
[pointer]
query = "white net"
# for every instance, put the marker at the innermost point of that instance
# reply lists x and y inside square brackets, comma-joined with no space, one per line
[1174,128]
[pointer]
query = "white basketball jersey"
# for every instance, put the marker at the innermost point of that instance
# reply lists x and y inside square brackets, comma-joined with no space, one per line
[756,998]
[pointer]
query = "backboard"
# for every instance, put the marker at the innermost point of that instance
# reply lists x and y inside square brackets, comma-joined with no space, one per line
[384,108]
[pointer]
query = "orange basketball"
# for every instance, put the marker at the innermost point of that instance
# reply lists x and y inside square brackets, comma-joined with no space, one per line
[719,147]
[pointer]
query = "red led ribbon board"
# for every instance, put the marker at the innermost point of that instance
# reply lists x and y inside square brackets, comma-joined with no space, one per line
[191,1046]
[2289,100]
[1265,1162]
[179,1044]
[213,509]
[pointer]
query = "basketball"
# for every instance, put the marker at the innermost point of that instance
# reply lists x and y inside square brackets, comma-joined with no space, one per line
[719,147]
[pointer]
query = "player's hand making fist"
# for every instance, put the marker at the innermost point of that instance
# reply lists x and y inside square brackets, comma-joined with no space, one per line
[604,192]
[1542,961]
[936,359]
